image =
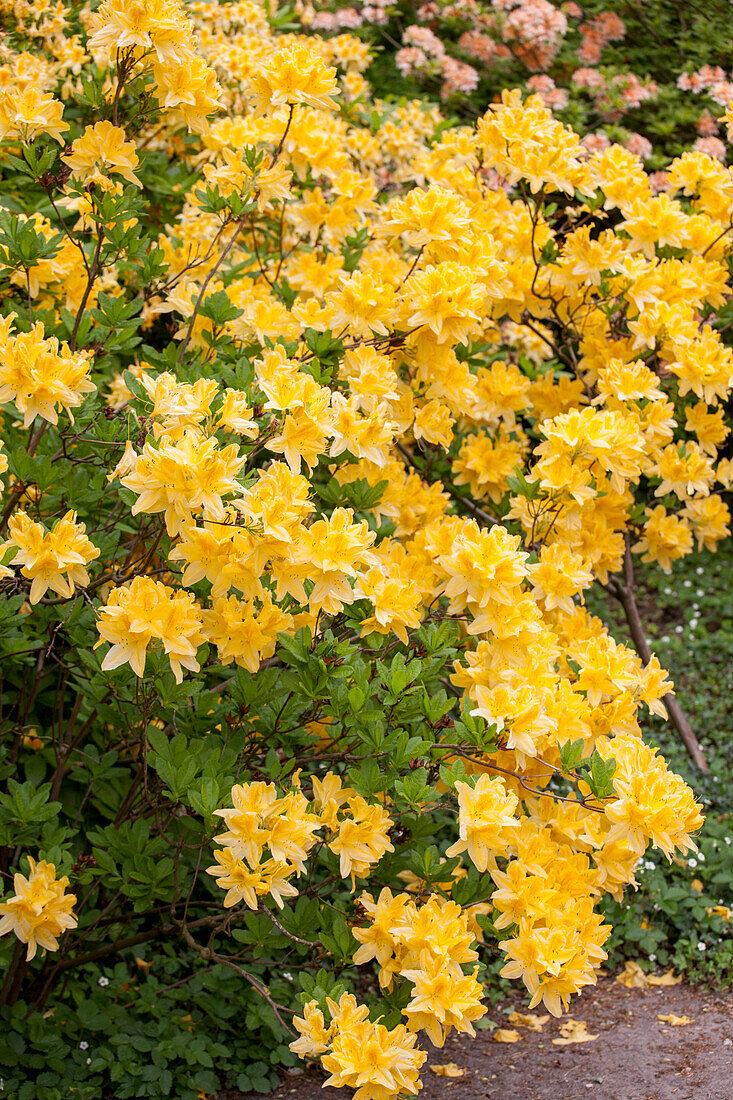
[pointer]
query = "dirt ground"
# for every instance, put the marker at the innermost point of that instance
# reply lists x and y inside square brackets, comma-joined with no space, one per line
[635,1057]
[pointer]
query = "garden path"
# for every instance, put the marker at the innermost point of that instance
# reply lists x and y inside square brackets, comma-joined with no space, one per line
[635,1056]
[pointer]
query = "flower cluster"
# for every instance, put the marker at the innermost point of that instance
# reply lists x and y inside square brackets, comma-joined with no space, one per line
[41,910]
[357,832]
[54,559]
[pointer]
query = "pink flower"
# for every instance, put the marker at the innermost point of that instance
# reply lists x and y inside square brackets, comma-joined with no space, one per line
[596,143]
[478,45]
[375,15]
[457,77]
[588,78]
[424,39]
[535,29]
[350,17]
[410,60]
[706,125]
[611,26]
[552,97]
[638,145]
[704,79]
[658,181]
[325,21]
[711,146]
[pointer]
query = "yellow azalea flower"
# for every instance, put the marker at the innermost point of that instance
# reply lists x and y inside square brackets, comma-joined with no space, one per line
[55,559]
[486,820]
[26,113]
[294,74]
[182,479]
[103,147]
[158,25]
[40,909]
[39,374]
[145,612]
[362,837]
[377,1062]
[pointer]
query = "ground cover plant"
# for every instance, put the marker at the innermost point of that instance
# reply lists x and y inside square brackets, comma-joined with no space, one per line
[321,417]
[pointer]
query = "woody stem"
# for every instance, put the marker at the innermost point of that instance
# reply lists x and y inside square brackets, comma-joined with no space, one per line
[624,593]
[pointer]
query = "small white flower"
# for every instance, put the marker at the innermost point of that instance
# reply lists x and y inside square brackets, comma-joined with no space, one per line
[699,591]
[103,981]
[702,946]
[699,570]
[687,584]
[692,863]
[696,607]
[664,638]
[678,629]
[89,1061]
[700,857]
[668,591]
[652,958]
[693,623]
[83,1045]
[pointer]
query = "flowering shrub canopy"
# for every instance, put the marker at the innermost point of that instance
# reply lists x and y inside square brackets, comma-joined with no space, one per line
[319,419]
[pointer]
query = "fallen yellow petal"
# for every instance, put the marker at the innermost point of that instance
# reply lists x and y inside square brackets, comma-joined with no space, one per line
[719,911]
[573,1031]
[449,1069]
[667,978]
[529,1020]
[505,1035]
[632,976]
[675,1021]
[696,884]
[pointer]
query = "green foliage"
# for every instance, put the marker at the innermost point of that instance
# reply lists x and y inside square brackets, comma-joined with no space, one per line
[670,920]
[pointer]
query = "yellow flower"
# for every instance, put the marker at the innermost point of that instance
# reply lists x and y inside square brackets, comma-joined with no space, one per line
[158,25]
[665,538]
[55,559]
[314,1035]
[449,299]
[362,838]
[26,113]
[182,479]
[377,1062]
[39,374]
[244,633]
[486,820]
[145,612]
[443,999]
[331,552]
[103,148]
[293,74]
[40,910]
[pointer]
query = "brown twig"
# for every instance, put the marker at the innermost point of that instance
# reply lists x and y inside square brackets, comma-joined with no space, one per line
[624,593]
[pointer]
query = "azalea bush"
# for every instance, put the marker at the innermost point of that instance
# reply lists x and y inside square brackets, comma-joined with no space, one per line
[320,418]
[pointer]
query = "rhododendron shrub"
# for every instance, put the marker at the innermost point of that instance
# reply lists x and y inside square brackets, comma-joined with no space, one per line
[319,419]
